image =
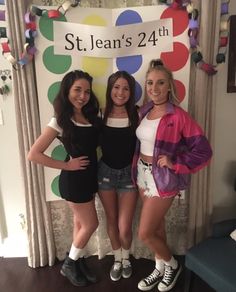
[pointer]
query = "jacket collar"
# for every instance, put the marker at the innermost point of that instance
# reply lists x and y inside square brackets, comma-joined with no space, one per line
[148,106]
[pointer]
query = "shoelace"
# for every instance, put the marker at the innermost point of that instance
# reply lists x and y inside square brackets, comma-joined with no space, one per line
[117,266]
[168,275]
[126,263]
[152,277]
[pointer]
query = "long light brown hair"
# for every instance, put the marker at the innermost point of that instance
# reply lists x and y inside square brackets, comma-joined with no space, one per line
[158,65]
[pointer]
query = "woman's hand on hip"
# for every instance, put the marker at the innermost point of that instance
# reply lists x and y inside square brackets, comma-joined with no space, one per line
[164,161]
[78,163]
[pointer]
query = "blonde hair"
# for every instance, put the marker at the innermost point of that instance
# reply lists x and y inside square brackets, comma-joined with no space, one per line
[158,65]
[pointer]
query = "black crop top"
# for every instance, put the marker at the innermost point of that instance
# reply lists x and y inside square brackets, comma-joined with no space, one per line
[117,146]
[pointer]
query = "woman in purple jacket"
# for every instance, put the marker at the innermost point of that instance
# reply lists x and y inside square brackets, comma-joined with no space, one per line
[170,146]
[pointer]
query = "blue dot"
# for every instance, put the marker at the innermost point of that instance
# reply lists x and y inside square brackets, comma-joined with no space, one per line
[138,92]
[131,64]
[128,17]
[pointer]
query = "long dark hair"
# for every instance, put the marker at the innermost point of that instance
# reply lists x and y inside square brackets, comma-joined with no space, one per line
[64,110]
[130,104]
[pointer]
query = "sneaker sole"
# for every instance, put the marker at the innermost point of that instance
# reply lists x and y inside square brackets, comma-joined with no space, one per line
[149,287]
[126,276]
[115,279]
[72,282]
[173,283]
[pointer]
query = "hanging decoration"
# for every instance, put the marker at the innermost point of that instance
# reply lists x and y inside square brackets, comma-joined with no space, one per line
[196,55]
[224,32]
[5,74]
[193,32]
[5,80]
[30,32]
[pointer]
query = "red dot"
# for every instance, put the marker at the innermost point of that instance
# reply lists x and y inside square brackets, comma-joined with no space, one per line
[181,91]
[176,59]
[180,19]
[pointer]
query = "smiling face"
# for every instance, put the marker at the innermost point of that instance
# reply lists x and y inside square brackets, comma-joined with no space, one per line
[120,92]
[157,86]
[79,93]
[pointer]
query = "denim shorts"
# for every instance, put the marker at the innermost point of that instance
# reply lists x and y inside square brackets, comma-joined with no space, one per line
[145,179]
[117,179]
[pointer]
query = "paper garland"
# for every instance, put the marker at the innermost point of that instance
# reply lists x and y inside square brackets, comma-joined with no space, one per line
[196,56]
[193,32]
[30,32]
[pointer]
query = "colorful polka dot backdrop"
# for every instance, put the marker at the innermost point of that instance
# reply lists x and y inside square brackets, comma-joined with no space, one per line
[51,67]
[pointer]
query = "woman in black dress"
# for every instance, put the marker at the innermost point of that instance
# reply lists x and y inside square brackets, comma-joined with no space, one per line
[76,125]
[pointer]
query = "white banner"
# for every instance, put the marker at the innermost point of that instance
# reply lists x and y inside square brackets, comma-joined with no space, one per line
[111,42]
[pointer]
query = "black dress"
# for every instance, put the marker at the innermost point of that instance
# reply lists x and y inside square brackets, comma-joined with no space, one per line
[79,186]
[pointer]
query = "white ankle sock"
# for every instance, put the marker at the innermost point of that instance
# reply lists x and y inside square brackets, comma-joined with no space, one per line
[172,262]
[160,265]
[76,253]
[117,254]
[125,253]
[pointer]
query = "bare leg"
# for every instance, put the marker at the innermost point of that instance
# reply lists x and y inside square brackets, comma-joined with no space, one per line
[85,222]
[127,204]
[152,225]
[110,204]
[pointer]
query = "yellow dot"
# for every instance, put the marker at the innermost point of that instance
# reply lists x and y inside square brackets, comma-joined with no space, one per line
[94,20]
[97,67]
[100,92]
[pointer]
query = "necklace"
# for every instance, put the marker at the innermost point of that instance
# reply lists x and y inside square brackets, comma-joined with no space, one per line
[160,102]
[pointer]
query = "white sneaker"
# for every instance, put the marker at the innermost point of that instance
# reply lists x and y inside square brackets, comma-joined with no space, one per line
[170,278]
[150,281]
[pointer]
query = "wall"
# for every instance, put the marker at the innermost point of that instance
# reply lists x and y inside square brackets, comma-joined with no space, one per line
[225,146]
[12,202]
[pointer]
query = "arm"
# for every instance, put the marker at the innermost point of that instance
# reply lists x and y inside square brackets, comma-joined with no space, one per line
[36,153]
[197,152]
[194,151]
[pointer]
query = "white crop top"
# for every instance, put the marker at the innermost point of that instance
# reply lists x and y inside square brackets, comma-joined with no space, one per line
[53,124]
[118,123]
[146,133]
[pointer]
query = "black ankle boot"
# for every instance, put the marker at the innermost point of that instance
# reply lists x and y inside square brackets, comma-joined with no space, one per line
[90,276]
[72,271]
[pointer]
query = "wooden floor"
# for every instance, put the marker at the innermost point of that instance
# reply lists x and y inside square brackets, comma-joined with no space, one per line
[16,276]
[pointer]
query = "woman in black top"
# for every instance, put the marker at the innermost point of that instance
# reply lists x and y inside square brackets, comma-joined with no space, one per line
[116,190]
[76,125]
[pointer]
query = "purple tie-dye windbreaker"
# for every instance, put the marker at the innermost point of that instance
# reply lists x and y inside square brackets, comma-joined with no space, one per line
[181,138]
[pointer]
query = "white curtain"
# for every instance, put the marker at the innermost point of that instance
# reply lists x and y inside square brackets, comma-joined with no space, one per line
[202,107]
[40,234]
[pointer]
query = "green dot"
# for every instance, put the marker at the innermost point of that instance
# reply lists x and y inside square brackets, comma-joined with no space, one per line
[46,25]
[59,153]
[55,186]
[57,64]
[53,90]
